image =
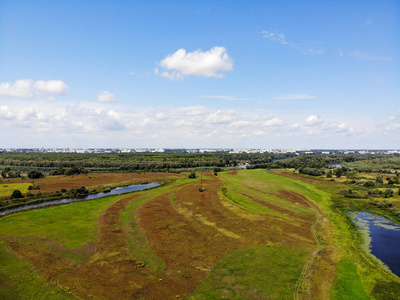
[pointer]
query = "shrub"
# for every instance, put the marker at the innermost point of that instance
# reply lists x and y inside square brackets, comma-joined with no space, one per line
[369,183]
[379,179]
[16,194]
[192,175]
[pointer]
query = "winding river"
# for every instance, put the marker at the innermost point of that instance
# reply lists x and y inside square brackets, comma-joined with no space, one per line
[383,236]
[116,191]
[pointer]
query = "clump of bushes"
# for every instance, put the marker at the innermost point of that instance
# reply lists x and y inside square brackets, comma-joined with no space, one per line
[16,194]
[369,183]
[311,171]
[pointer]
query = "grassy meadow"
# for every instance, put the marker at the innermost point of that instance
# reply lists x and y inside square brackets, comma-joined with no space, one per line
[6,189]
[251,234]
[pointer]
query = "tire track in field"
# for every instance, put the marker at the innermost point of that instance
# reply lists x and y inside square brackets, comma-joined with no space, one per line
[300,282]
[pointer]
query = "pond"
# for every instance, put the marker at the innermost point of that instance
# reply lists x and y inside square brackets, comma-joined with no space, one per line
[334,165]
[383,237]
[116,191]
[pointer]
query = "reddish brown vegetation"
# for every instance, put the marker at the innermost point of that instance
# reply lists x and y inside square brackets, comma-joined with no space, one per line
[189,230]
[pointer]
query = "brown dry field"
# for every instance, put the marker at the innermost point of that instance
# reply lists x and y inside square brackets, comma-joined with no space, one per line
[51,184]
[189,230]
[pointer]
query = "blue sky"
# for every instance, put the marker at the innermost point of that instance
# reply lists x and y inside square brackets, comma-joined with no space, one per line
[199,74]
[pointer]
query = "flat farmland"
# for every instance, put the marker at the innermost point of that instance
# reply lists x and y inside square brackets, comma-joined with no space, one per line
[51,184]
[251,234]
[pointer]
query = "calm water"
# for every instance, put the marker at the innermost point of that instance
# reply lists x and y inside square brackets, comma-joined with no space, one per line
[334,165]
[385,238]
[116,191]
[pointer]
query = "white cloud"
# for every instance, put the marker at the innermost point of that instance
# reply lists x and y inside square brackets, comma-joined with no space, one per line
[313,120]
[106,97]
[294,97]
[192,126]
[56,87]
[5,112]
[27,88]
[210,63]
[192,110]
[220,117]
[224,98]
[278,37]
[274,122]
[240,124]
[281,38]
[161,116]
[339,128]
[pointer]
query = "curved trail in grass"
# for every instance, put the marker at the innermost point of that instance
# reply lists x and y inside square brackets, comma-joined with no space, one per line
[307,265]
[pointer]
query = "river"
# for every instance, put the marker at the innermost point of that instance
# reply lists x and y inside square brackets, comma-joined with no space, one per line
[383,236]
[116,191]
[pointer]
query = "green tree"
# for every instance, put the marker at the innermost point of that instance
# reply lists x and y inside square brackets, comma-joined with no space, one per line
[338,172]
[369,183]
[379,179]
[16,194]
[34,174]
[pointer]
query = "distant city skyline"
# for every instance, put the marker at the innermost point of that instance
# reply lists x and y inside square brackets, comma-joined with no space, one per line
[209,74]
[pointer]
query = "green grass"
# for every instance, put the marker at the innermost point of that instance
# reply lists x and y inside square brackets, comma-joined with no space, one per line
[6,189]
[138,243]
[347,284]
[264,186]
[235,194]
[72,224]
[254,273]
[19,280]
[246,273]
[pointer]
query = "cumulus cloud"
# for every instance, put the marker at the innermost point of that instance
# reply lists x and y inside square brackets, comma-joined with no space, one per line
[191,126]
[274,122]
[313,120]
[220,117]
[106,97]
[27,88]
[210,63]
[294,97]
[5,113]
[56,87]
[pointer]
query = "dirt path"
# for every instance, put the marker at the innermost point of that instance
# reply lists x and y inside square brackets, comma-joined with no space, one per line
[311,258]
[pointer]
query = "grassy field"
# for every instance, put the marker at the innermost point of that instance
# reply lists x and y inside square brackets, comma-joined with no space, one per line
[254,273]
[251,234]
[6,189]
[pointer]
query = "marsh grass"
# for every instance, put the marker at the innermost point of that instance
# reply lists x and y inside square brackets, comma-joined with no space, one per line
[347,284]
[19,280]
[72,225]
[262,272]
